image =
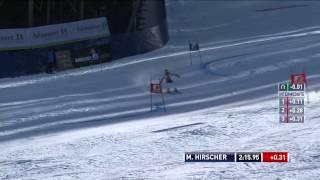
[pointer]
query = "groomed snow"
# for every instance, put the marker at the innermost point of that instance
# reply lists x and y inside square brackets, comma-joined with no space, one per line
[95,122]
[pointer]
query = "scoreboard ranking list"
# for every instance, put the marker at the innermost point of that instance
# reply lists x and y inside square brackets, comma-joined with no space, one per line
[276,157]
[291,102]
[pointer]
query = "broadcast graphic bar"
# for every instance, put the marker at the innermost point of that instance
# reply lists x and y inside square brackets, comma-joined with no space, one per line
[270,157]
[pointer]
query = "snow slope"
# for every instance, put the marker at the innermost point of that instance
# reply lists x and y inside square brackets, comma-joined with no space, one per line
[135,150]
[95,122]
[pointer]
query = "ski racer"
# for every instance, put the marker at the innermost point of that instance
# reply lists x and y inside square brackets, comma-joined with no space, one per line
[168,79]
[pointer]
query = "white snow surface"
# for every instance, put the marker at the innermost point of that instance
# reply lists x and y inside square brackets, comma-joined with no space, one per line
[95,122]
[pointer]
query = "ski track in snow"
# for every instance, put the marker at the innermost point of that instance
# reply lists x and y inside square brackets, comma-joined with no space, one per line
[80,124]
[32,112]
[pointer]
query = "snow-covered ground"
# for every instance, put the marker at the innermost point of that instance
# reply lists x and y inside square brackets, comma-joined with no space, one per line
[95,122]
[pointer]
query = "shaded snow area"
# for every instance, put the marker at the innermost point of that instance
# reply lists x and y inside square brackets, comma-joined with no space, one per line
[153,148]
[95,122]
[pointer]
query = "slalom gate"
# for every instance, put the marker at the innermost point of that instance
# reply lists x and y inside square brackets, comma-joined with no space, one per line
[292,99]
[156,89]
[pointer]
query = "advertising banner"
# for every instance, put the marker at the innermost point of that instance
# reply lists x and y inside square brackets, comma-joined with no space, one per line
[35,37]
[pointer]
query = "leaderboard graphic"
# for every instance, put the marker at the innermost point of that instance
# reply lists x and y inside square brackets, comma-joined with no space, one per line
[270,157]
[292,99]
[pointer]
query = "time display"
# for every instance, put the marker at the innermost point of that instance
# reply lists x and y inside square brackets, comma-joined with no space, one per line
[291,102]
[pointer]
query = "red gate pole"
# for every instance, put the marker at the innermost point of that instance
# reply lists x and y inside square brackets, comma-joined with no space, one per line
[156,89]
[304,78]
